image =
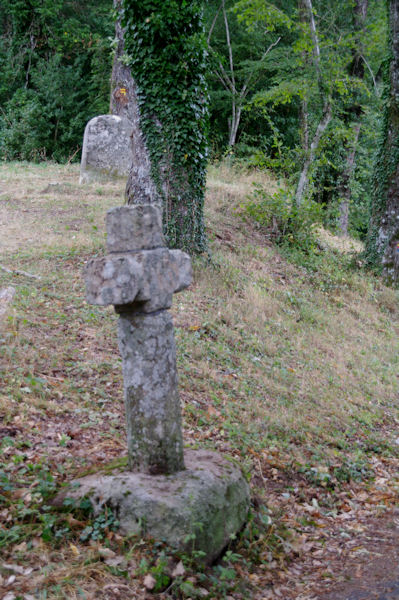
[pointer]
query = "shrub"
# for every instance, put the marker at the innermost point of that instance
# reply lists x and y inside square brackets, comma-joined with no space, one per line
[287,223]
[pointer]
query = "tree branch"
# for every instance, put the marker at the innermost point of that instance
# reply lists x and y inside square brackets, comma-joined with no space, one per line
[244,93]
[315,39]
[226,24]
[371,73]
[18,272]
[213,24]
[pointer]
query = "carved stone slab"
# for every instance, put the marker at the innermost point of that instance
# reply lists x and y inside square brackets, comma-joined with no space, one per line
[136,227]
[139,271]
[107,151]
[148,277]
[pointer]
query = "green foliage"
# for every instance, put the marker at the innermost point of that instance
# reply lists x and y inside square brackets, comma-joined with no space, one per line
[288,223]
[103,523]
[167,56]
[252,67]
[55,62]
[296,86]
[31,515]
[159,570]
[27,517]
[333,476]
[252,11]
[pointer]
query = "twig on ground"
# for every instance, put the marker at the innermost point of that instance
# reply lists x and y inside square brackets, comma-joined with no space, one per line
[18,272]
[70,159]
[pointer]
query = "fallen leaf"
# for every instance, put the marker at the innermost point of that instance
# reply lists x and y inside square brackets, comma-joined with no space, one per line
[21,547]
[213,411]
[115,562]
[74,549]
[14,568]
[149,582]
[106,553]
[179,570]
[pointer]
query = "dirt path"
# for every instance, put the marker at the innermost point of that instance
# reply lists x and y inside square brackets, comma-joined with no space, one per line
[373,571]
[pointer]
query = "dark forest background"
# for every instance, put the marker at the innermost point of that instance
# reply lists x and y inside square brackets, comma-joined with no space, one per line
[271,83]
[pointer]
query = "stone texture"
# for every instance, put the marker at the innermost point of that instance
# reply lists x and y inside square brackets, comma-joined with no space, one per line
[154,435]
[131,228]
[148,278]
[6,297]
[107,151]
[209,499]
[140,280]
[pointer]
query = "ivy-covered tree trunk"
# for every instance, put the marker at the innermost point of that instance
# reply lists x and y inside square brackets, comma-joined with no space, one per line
[165,51]
[382,246]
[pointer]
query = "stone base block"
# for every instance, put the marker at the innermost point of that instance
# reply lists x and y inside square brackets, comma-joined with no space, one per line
[199,508]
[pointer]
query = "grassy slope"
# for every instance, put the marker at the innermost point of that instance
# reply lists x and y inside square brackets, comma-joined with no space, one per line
[291,367]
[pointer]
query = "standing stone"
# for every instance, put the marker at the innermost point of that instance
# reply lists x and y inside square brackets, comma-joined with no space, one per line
[139,277]
[154,435]
[198,503]
[106,152]
[201,508]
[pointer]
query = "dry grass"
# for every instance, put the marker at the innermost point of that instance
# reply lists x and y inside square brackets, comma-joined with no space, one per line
[344,244]
[49,209]
[286,368]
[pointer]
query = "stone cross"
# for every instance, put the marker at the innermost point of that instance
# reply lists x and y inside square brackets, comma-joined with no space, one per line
[139,277]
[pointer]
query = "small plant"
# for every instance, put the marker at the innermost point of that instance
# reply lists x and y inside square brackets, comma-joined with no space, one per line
[329,477]
[353,470]
[287,223]
[100,526]
[160,572]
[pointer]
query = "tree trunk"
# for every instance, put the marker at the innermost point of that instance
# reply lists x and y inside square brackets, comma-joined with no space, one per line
[304,110]
[303,182]
[140,187]
[382,246]
[168,141]
[306,11]
[345,194]
[234,124]
[356,70]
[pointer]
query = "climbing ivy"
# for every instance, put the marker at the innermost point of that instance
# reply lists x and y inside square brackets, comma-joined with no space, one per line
[387,160]
[166,49]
